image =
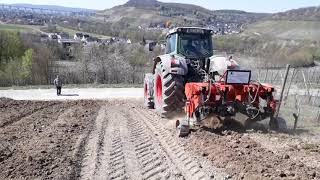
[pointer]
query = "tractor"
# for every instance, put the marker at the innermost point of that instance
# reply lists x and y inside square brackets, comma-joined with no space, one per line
[190,78]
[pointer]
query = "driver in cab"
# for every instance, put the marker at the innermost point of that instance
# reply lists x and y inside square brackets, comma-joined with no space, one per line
[190,49]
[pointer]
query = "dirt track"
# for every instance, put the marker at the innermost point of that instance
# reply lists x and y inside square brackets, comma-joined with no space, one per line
[122,140]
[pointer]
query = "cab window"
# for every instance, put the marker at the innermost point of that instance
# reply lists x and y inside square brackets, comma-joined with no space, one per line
[171,43]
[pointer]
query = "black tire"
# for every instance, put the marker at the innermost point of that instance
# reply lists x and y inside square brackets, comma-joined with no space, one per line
[148,91]
[278,124]
[273,123]
[282,124]
[168,91]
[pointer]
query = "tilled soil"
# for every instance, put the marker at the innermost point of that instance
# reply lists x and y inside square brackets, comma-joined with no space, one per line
[122,140]
[40,139]
[244,158]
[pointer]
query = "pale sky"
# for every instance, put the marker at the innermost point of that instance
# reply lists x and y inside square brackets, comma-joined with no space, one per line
[247,5]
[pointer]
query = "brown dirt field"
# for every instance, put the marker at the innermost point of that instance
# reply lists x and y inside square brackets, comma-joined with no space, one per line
[122,140]
[39,139]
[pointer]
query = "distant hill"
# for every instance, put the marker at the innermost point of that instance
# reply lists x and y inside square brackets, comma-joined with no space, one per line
[302,14]
[55,8]
[297,24]
[285,29]
[144,12]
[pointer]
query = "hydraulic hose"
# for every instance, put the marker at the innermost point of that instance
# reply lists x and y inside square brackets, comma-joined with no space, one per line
[256,95]
[254,99]
[223,76]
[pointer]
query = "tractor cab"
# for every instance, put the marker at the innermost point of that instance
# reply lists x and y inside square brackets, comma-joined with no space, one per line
[189,42]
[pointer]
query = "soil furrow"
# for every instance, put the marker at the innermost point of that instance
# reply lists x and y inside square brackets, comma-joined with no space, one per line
[91,159]
[189,168]
[146,150]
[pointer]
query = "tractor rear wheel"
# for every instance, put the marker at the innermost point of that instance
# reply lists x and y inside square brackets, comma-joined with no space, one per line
[169,94]
[148,91]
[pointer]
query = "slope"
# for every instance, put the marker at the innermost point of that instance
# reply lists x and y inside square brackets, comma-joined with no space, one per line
[296,24]
[284,29]
[146,12]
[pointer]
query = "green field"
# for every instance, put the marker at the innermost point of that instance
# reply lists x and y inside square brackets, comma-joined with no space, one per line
[20,28]
[35,29]
[71,32]
[290,30]
[10,27]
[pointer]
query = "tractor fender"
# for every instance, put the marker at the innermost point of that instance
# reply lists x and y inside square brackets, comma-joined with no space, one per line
[172,64]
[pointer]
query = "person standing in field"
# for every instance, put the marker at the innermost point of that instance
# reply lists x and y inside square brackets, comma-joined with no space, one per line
[58,83]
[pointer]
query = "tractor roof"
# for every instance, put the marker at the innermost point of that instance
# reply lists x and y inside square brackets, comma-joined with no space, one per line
[193,30]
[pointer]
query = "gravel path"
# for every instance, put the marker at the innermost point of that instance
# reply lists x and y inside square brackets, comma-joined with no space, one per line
[95,93]
[73,94]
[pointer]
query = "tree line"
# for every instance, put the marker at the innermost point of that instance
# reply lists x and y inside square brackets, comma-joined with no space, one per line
[26,60]
[113,64]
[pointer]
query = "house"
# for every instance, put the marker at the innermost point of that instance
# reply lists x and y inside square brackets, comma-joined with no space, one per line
[91,41]
[150,44]
[68,47]
[53,36]
[67,42]
[85,37]
[44,37]
[78,36]
[63,35]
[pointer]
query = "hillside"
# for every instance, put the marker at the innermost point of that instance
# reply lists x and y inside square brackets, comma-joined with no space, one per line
[285,29]
[297,24]
[289,37]
[146,12]
[301,14]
